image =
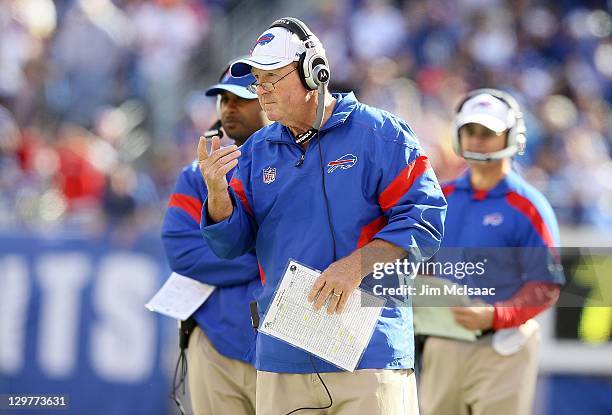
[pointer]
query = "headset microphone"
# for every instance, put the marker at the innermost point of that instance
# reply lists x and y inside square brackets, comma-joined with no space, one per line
[488,157]
[321,74]
[215,130]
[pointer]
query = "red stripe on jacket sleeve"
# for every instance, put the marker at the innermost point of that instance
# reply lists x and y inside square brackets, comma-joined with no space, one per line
[371,229]
[391,195]
[402,183]
[191,205]
[524,205]
[533,298]
[239,189]
[262,276]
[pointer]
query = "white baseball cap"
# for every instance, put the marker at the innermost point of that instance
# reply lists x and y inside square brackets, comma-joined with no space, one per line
[275,48]
[485,109]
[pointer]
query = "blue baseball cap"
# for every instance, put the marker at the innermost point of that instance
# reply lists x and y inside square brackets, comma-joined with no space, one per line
[235,85]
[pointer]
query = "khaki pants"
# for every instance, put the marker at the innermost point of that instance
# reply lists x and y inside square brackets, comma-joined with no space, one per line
[472,378]
[218,385]
[367,391]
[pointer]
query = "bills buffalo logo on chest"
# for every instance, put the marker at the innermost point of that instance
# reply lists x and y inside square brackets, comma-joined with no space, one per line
[343,163]
[493,219]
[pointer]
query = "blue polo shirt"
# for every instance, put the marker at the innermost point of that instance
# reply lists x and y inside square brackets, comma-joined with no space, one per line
[510,229]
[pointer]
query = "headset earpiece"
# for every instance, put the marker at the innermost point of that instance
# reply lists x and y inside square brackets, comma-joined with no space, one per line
[312,57]
[301,73]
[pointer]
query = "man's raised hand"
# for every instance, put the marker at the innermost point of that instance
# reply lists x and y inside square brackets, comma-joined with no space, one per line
[215,165]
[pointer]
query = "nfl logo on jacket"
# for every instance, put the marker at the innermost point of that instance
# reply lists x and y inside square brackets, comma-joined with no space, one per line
[269,175]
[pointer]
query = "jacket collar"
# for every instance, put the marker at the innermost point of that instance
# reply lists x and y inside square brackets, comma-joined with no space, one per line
[500,189]
[345,104]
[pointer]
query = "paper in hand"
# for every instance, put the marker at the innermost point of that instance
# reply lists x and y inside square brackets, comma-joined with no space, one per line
[179,297]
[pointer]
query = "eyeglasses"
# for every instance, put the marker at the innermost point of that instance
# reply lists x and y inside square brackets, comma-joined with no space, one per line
[267,86]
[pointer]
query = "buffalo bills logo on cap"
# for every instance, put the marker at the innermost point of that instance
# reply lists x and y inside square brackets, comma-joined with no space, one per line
[265,39]
[345,162]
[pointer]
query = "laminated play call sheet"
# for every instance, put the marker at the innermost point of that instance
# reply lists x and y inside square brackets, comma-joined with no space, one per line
[339,338]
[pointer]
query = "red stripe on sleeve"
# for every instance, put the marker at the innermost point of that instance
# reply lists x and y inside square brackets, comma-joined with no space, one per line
[533,298]
[402,183]
[527,208]
[371,229]
[239,189]
[191,205]
[448,189]
[508,317]
[262,276]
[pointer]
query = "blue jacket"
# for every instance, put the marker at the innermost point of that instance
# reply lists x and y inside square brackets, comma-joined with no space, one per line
[225,316]
[511,229]
[379,185]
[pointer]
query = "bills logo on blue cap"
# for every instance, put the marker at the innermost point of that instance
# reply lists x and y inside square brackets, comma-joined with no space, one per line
[265,39]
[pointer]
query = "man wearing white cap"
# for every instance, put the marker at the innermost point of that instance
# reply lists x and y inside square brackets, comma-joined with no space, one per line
[494,218]
[338,186]
[220,352]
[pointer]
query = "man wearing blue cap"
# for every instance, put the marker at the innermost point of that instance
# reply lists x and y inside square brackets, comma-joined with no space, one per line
[221,348]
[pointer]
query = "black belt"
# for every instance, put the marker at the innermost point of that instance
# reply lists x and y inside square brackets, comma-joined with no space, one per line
[485,333]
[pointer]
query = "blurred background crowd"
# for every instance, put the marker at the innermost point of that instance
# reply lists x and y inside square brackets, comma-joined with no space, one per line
[102,104]
[101,100]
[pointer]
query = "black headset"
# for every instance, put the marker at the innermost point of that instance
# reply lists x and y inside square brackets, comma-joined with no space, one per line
[313,67]
[517,134]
